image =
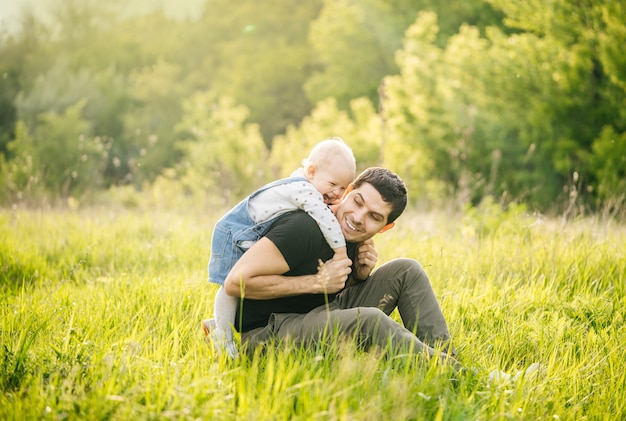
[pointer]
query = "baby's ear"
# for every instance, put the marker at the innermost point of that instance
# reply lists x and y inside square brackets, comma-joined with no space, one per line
[387,227]
[310,170]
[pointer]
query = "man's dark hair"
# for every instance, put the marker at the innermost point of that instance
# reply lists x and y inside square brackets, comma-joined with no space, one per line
[389,185]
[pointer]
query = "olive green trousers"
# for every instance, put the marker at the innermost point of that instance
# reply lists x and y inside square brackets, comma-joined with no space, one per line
[362,311]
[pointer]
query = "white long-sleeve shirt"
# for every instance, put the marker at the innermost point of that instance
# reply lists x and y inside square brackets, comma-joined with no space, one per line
[293,196]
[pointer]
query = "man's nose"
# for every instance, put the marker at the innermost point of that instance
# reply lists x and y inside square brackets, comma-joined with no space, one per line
[358,216]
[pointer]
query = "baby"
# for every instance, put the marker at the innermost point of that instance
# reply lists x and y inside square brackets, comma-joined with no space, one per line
[321,181]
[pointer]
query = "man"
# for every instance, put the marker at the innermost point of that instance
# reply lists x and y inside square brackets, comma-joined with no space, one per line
[286,292]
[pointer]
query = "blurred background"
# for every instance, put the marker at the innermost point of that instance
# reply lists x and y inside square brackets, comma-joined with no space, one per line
[201,101]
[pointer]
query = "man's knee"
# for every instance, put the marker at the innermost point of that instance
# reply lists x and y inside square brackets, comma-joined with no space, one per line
[374,327]
[409,269]
[358,319]
[371,321]
[369,315]
[408,264]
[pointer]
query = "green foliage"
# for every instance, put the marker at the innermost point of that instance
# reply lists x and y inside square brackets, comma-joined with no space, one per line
[60,157]
[221,152]
[100,310]
[489,219]
[371,28]
[8,90]
[20,178]
[608,162]
[463,99]
[506,115]
[65,152]
[362,133]
[614,35]
[355,42]
[102,95]
[258,54]
[417,127]
[21,58]
[155,94]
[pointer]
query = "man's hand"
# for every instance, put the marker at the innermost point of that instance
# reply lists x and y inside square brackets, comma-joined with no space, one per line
[366,257]
[332,275]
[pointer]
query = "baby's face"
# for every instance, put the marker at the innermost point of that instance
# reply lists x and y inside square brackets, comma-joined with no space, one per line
[331,182]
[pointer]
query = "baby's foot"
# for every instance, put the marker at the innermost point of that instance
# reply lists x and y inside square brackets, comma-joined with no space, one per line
[500,376]
[219,339]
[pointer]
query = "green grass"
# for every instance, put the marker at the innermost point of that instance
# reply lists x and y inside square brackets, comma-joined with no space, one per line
[100,312]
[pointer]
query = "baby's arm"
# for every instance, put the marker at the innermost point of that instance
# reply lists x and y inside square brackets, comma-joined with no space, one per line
[340,253]
[330,228]
[312,202]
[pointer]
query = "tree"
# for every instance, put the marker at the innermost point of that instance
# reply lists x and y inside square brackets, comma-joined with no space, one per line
[59,157]
[506,114]
[222,155]
[356,41]
[585,66]
[608,163]
[149,139]
[419,129]
[362,132]
[257,53]
[19,52]
[20,178]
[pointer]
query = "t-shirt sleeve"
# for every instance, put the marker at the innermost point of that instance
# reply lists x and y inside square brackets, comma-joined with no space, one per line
[300,241]
[311,201]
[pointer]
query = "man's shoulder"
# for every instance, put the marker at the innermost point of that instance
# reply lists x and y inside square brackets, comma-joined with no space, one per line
[297,218]
[299,239]
[294,226]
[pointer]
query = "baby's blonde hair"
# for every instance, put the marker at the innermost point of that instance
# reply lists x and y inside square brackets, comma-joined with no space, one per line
[327,150]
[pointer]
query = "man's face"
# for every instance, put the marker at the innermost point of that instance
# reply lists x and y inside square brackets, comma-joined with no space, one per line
[362,213]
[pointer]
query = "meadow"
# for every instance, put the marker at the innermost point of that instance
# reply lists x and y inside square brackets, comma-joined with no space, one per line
[100,312]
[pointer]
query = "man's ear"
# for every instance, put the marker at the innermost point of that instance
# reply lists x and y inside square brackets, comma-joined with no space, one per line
[387,227]
[347,190]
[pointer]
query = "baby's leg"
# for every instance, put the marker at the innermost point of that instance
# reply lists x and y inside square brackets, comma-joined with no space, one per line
[220,329]
[225,308]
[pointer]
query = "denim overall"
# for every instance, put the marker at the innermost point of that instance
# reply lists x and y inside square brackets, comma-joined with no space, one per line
[236,232]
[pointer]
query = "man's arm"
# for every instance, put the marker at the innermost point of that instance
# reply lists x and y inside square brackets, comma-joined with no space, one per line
[258,275]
